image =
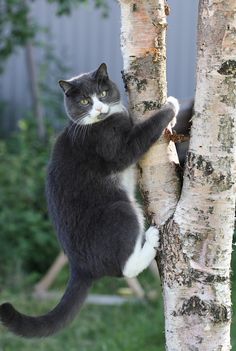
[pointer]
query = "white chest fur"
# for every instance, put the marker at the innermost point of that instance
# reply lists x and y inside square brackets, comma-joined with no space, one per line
[128,181]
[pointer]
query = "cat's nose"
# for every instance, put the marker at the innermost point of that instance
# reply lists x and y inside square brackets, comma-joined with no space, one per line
[99,108]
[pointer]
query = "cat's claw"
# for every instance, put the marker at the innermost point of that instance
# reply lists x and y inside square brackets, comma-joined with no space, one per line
[175,104]
[152,237]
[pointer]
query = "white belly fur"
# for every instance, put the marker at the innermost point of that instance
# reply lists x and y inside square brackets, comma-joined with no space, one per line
[128,181]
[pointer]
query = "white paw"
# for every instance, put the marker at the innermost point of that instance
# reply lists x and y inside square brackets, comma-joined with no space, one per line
[175,104]
[152,237]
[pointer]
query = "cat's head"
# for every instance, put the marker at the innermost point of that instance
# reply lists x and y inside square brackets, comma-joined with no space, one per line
[91,97]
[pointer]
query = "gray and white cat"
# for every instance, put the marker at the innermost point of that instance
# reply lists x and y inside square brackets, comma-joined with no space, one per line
[90,186]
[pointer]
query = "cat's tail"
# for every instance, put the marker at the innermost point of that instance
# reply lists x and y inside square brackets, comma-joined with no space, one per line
[53,321]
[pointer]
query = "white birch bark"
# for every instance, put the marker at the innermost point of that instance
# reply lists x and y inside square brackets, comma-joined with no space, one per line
[197,272]
[196,242]
[143,35]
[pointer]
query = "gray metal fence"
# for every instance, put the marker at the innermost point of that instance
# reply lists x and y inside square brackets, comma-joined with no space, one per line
[85,39]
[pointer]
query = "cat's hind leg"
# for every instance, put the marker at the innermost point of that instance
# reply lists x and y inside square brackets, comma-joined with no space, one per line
[142,255]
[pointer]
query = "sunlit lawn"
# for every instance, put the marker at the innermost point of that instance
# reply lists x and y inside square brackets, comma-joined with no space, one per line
[130,327]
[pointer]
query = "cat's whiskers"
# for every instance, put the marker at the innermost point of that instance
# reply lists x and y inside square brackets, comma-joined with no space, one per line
[76,127]
[70,127]
[85,129]
[80,130]
[75,132]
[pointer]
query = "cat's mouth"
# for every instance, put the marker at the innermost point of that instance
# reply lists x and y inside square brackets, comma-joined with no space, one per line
[103,115]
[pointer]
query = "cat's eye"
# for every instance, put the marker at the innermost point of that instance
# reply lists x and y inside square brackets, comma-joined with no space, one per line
[103,93]
[84,101]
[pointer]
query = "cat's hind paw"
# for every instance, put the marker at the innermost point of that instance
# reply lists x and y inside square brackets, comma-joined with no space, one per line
[152,237]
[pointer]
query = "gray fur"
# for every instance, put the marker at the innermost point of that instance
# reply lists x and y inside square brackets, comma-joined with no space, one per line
[94,212]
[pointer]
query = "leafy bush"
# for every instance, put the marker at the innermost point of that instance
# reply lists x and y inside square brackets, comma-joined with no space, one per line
[28,243]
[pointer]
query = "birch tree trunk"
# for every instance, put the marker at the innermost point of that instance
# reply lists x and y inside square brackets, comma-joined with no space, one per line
[196,230]
[143,36]
[197,268]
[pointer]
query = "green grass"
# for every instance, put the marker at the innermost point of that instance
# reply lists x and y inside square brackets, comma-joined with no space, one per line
[130,327]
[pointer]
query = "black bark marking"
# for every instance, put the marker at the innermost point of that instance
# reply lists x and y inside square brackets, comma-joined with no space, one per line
[211,209]
[226,133]
[151,105]
[140,170]
[145,204]
[134,7]
[131,79]
[192,348]
[207,278]
[145,106]
[173,263]
[167,9]
[228,68]
[144,197]
[218,313]
[228,97]
[142,72]
[204,165]
[199,167]
[200,163]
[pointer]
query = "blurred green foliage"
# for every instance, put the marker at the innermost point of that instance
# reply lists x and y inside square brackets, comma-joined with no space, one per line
[14,27]
[50,71]
[17,26]
[28,242]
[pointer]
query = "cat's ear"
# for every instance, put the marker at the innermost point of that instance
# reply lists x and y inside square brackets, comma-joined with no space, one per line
[101,72]
[65,85]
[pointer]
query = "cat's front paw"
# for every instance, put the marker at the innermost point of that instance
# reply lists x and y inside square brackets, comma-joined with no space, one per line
[152,237]
[175,105]
[174,102]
